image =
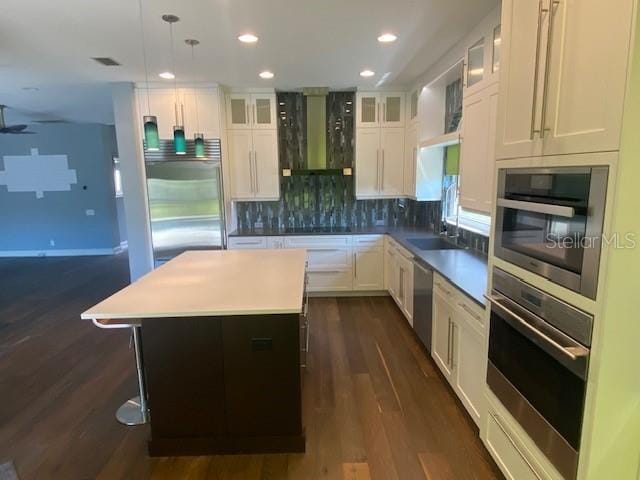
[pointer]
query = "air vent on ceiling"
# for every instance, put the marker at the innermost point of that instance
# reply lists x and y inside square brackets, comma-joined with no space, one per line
[106,61]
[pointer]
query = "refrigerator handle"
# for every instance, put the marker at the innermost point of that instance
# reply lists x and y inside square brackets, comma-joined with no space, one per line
[251,171]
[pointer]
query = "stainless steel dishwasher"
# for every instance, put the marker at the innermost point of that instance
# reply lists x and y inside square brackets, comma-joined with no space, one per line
[422,303]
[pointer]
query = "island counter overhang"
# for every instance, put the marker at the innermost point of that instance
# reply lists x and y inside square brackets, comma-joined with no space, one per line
[220,339]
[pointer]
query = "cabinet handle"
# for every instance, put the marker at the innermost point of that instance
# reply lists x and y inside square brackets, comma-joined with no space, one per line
[536,71]
[384,112]
[467,309]
[255,162]
[355,266]
[247,118]
[378,112]
[378,169]
[552,15]
[382,176]
[449,344]
[453,344]
[401,285]
[253,108]
[251,172]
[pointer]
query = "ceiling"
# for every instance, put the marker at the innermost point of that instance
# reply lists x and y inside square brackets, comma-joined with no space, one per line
[48,46]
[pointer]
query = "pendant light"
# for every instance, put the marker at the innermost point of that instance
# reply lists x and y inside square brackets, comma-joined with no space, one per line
[198,137]
[179,140]
[151,137]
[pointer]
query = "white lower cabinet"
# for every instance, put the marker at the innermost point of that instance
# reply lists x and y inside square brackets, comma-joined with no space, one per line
[336,263]
[399,277]
[368,271]
[246,243]
[458,344]
[509,450]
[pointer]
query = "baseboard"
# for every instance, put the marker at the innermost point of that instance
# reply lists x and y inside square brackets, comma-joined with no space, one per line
[72,252]
[121,248]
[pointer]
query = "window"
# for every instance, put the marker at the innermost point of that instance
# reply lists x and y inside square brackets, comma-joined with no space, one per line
[453,214]
[117,177]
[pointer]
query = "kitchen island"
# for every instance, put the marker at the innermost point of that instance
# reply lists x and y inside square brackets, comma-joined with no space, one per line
[220,348]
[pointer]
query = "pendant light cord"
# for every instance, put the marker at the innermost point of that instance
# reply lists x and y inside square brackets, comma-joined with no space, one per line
[173,67]
[195,90]
[144,57]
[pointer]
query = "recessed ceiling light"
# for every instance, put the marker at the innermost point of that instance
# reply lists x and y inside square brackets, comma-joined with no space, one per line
[387,38]
[266,75]
[248,38]
[167,75]
[367,73]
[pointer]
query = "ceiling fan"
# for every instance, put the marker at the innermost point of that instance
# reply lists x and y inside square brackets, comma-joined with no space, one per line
[15,129]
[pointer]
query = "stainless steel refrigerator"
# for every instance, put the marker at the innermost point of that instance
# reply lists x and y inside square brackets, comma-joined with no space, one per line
[186,204]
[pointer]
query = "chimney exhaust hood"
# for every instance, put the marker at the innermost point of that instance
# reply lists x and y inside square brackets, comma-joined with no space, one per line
[315,125]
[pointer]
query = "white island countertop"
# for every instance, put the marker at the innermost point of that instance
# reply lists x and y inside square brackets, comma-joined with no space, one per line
[212,283]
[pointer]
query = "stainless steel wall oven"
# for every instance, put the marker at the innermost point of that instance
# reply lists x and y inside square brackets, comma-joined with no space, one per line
[549,221]
[539,350]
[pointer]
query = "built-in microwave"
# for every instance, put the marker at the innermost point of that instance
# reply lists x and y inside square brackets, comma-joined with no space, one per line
[549,221]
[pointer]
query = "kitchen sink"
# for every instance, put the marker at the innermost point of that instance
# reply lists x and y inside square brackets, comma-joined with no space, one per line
[432,244]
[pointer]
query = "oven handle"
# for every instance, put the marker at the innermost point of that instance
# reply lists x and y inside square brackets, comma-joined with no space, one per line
[546,208]
[580,352]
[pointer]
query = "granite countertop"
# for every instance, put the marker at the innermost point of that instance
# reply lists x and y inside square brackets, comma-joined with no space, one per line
[464,268]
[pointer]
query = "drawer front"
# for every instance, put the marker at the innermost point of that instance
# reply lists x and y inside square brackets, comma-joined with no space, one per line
[367,241]
[330,281]
[507,453]
[474,311]
[446,290]
[246,243]
[328,258]
[318,241]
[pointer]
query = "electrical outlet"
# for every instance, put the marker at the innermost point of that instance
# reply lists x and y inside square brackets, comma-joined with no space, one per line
[52,242]
[90,212]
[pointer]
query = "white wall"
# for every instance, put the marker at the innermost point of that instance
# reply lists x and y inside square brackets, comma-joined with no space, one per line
[134,186]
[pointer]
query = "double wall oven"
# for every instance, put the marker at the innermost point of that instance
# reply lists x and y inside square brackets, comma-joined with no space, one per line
[549,221]
[539,349]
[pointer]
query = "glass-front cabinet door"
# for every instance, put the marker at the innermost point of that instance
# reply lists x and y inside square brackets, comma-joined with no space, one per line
[263,110]
[368,109]
[475,63]
[238,110]
[412,105]
[392,109]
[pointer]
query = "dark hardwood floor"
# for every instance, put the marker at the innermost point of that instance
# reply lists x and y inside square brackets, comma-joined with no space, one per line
[374,404]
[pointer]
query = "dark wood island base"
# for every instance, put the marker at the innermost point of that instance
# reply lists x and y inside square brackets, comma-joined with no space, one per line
[223,384]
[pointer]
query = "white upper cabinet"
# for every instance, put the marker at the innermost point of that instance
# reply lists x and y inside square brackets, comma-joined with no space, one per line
[164,103]
[238,110]
[263,111]
[392,109]
[521,74]
[265,164]
[563,76]
[379,162]
[477,154]
[587,72]
[367,109]
[381,109]
[241,164]
[410,160]
[392,162]
[251,110]
[413,100]
[367,162]
[201,112]
[253,161]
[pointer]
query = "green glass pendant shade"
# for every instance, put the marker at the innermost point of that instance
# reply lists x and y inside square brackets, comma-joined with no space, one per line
[198,139]
[179,140]
[151,137]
